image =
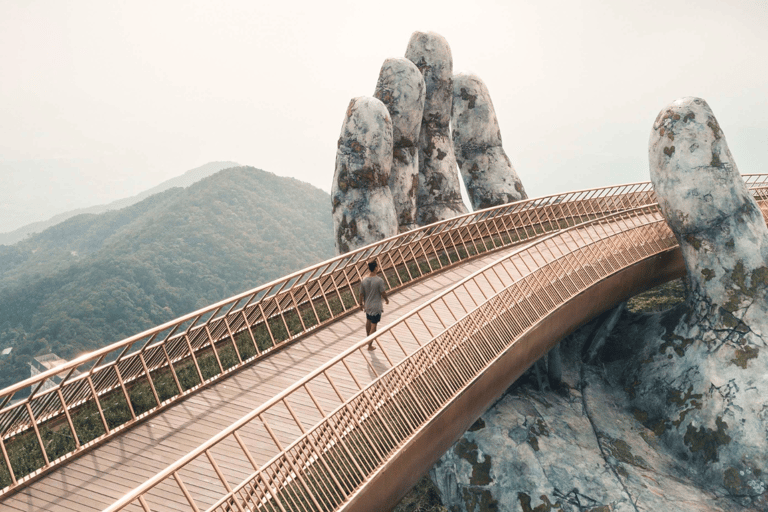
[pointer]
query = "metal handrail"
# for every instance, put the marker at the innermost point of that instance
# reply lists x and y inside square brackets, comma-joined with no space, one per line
[464,337]
[371,251]
[521,296]
[322,287]
[276,300]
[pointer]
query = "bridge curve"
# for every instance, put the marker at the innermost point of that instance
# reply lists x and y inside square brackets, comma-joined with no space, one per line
[290,481]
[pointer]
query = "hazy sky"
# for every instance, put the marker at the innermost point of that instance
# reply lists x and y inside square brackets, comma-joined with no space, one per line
[100,99]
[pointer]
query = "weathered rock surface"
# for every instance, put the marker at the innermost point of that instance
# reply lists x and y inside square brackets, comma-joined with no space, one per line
[672,413]
[401,88]
[582,451]
[702,380]
[439,195]
[363,209]
[488,174]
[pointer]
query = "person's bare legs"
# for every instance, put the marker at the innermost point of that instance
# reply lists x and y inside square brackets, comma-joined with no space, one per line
[370,328]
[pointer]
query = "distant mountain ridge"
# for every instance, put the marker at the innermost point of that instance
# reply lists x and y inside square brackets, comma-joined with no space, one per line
[186,179]
[95,279]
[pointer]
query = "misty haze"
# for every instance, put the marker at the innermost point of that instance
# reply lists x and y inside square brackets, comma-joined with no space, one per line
[236,275]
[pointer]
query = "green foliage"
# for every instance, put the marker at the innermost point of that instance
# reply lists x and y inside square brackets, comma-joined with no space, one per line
[25,455]
[659,298]
[423,497]
[95,279]
[165,385]
[24,449]
[88,424]
[141,396]
[245,345]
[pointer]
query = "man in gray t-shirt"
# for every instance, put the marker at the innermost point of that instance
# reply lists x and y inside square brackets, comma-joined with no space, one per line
[372,291]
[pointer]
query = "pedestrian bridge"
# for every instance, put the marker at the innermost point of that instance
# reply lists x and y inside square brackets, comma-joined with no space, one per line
[270,401]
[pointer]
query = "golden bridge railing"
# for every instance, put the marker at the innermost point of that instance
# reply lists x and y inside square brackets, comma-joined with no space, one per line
[322,455]
[97,395]
[201,347]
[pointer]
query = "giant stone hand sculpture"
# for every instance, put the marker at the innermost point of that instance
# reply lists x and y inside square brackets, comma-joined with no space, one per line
[363,209]
[488,174]
[401,88]
[439,194]
[705,384]
[422,180]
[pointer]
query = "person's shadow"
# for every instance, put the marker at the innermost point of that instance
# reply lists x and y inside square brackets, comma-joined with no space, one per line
[379,363]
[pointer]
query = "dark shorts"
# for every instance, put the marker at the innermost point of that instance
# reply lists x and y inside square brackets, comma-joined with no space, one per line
[374,319]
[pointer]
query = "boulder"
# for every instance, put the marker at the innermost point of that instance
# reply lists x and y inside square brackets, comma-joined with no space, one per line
[702,380]
[363,209]
[488,174]
[401,88]
[439,195]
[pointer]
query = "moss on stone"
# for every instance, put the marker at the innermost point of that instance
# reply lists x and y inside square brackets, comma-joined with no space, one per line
[707,440]
[669,321]
[693,241]
[676,342]
[538,428]
[687,401]
[732,480]
[758,280]
[708,274]
[681,416]
[479,500]
[621,451]
[738,279]
[744,354]
[481,471]
[679,398]
[659,428]
[545,506]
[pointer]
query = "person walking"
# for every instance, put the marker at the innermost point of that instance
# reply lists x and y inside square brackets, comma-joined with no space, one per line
[372,291]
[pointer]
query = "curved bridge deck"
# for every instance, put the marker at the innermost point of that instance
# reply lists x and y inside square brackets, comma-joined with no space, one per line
[100,477]
[324,424]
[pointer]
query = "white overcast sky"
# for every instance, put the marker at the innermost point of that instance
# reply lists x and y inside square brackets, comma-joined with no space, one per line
[102,99]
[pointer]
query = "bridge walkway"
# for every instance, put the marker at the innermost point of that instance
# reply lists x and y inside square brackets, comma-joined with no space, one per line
[101,476]
[316,419]
[473,339]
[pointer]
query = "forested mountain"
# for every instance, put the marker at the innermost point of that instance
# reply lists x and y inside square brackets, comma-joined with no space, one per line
[184,180]
[95,279]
